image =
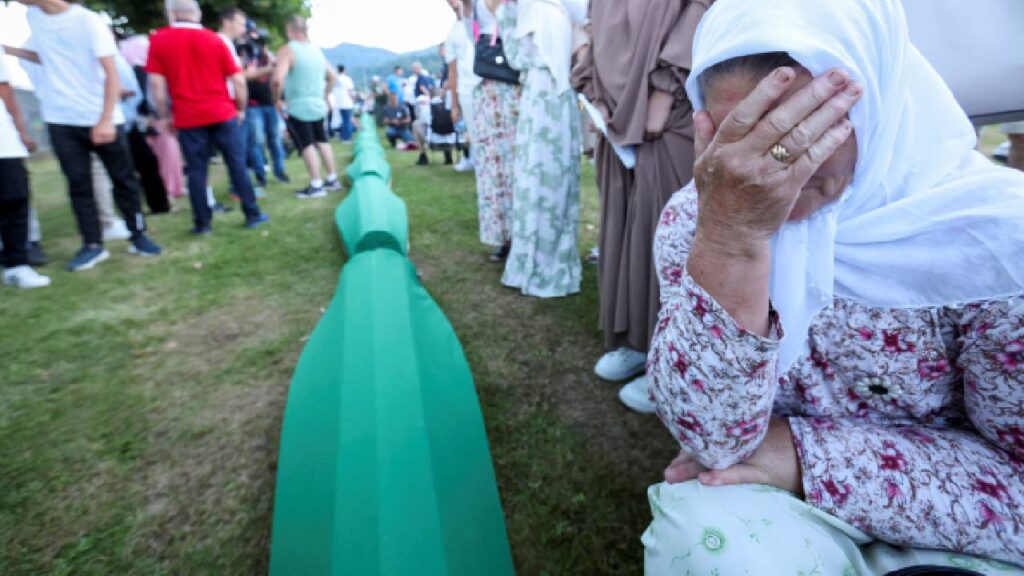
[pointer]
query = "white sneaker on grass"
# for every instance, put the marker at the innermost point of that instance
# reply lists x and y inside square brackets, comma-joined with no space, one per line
[464,165]
[620,364]
[25,277]
[637,396]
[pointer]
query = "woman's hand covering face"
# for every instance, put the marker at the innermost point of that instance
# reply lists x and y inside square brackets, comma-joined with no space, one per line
[746,194]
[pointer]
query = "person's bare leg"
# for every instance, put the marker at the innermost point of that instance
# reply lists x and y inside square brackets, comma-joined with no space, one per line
[327,153]
[312,160]
[1016,157]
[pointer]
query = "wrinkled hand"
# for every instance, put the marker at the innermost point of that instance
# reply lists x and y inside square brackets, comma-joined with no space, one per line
[746,194]
[28,141]
[659,107]
[774,463]
[103,133]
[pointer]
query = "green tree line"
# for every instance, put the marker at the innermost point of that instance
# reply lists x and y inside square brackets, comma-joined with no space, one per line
[133,16]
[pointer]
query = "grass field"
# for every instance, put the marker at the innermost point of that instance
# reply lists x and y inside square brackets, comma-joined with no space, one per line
[141,402]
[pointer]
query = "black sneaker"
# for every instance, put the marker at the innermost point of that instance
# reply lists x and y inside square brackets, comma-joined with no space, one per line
[332,184]
[88,257]
[36,256]
[282,178]
[143,246]
[310,192]
[220,208]
[423,161]
[202,230]
[261,180]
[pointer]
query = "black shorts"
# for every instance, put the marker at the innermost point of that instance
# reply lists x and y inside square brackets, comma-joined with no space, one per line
[305,134]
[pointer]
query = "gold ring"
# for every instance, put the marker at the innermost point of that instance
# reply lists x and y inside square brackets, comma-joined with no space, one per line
[779,152]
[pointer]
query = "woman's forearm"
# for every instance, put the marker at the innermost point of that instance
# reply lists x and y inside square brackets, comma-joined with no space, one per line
[736,275]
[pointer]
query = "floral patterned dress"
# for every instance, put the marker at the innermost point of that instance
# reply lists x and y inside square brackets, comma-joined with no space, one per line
[908,423]
[545,259]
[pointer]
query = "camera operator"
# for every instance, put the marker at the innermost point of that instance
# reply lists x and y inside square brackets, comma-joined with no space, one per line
[263,127]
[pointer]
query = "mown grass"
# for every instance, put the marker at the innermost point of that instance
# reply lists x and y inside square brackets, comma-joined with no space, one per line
[141,402]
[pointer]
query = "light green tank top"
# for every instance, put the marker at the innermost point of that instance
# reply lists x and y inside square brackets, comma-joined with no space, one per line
[304,88]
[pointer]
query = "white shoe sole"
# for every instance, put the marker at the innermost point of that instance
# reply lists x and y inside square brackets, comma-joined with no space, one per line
[133,250]
[15,284]
[92,263]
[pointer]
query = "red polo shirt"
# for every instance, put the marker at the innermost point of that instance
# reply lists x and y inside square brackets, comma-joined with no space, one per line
[195,62]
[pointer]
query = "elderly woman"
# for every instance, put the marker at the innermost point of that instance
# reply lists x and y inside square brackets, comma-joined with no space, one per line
[840,349]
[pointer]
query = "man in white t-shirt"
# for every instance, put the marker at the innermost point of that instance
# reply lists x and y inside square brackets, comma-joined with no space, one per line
[15,143]
[459,53]
[345,103]
[80,105]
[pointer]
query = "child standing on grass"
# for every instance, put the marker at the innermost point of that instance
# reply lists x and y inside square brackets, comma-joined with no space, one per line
[15,143]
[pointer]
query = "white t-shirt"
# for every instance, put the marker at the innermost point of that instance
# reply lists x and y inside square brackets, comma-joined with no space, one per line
[488,23]
[409,89]
[70,45]
[343,92]
[234,52]
[10,142]
[459,48]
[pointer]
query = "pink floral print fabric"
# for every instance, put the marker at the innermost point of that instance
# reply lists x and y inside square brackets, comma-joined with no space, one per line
[908,423]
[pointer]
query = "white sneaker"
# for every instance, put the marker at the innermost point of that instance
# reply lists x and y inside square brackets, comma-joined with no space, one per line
[636,395]
[25,277]
[620,364]
[116,231]
[464,165]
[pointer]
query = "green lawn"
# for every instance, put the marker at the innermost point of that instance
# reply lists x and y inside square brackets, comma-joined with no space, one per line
[141,402]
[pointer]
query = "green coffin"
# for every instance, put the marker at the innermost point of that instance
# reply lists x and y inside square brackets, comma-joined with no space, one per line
[384,466]
[369,162]
[372,216]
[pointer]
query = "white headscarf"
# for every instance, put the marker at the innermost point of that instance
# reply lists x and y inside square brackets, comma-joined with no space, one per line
[550,23]
[927,221]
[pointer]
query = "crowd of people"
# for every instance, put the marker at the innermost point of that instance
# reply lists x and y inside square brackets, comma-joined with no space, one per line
[805,269]
[144,117]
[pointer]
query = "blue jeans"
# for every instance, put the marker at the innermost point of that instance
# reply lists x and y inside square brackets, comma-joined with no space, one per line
[347,129]
[394,134]
[263,128]
[195,147]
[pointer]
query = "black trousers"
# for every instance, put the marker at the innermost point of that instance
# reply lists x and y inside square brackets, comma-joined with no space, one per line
[149,172]
[72,145]
[14,206]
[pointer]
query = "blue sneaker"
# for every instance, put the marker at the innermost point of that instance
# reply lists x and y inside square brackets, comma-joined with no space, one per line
[89,256]
[143,246]
[254,222]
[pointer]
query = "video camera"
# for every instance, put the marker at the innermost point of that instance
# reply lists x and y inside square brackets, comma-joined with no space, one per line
[254,46]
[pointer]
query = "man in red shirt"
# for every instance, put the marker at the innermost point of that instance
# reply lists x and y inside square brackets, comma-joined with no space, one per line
[190,63]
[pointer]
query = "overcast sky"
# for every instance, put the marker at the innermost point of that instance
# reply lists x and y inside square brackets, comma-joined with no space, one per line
[397,25]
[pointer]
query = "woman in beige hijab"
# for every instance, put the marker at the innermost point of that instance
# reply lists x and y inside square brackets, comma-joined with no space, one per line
[634,73]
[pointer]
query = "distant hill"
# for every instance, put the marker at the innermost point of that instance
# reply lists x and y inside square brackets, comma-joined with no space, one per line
[362,62]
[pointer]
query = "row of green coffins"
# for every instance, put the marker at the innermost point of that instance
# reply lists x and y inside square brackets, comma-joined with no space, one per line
[384,467]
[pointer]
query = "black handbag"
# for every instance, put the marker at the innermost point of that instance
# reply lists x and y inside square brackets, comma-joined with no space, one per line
[490,61]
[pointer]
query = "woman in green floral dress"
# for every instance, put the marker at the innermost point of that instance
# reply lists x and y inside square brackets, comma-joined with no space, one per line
[537,36]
